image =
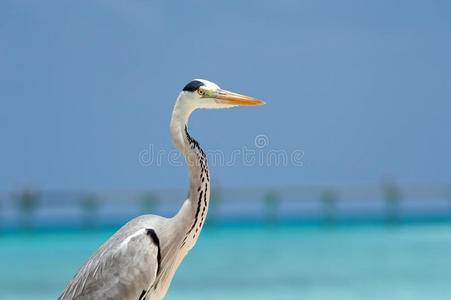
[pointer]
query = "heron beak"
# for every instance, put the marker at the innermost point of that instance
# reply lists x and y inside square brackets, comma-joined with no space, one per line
[226,97]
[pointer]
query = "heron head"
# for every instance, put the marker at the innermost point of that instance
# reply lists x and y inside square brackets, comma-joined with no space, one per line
[201,93]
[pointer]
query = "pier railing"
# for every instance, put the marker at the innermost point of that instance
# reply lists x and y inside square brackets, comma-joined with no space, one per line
[328,205]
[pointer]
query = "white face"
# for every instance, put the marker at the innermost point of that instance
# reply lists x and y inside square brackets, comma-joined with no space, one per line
[201,93]
[204,96]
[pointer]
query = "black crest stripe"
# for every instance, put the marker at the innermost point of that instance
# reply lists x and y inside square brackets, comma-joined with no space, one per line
[193,85]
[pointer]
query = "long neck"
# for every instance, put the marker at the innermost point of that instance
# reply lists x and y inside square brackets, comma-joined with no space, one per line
[192,214]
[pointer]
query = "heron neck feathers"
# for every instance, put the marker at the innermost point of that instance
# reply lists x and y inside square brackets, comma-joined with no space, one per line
[193,212]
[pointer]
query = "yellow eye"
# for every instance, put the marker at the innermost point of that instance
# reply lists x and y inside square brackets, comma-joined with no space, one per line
[201,92]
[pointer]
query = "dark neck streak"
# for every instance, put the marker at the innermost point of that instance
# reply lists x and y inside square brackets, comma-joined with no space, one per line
[199,185]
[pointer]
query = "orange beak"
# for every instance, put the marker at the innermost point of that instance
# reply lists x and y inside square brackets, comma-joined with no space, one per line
[231,98]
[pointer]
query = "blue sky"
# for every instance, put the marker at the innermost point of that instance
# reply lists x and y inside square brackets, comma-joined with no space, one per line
[362,88]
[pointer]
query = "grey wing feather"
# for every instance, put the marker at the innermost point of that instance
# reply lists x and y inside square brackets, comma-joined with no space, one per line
[122,268]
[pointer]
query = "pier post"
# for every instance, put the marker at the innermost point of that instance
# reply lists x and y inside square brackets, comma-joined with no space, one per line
[329,199]
[89,208]
[392,200]
[271,206]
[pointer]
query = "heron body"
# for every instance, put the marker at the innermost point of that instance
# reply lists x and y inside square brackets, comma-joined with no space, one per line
[140,259]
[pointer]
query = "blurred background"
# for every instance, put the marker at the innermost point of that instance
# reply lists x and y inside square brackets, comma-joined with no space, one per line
[338,188]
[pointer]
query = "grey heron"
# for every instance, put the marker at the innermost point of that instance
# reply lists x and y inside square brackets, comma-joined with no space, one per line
[140,259]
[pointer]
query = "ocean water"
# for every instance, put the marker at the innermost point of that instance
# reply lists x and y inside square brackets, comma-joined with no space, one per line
[257,262]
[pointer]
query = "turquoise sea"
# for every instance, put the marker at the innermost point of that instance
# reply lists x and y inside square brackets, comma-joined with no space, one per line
[257,262]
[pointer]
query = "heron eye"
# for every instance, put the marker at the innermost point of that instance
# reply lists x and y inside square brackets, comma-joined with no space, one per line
[201,92]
